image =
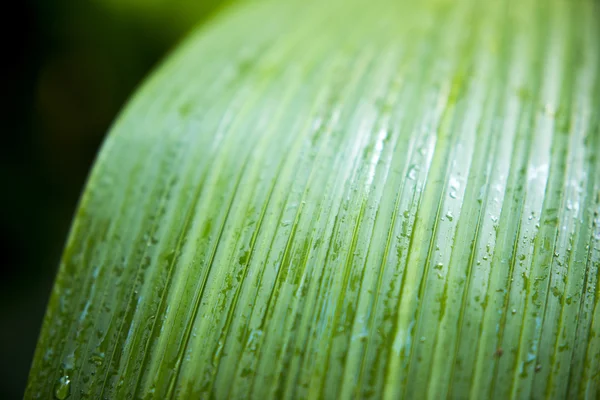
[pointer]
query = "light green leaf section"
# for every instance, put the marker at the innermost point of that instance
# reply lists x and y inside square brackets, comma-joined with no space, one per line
[357,199]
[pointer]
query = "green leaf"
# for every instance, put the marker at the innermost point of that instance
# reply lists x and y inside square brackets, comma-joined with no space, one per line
[345,199]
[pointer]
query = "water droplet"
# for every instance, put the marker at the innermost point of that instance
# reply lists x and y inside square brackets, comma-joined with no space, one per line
[412,172]
[514,311]
[449,216]
[454,186]
[97,358]
[422,338]
[62,389]
[69,362]
[253,339]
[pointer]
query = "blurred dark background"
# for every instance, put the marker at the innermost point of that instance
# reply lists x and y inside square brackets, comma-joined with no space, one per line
[68,68]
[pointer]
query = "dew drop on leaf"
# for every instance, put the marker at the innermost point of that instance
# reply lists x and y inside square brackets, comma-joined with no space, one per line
[62,389]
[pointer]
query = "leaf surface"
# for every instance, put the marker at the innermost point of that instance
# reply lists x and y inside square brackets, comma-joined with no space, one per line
[345,199]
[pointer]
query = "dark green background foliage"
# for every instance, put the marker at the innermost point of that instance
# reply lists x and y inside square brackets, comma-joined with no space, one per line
[68,67]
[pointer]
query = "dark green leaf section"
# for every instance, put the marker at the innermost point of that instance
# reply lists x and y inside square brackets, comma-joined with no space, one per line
[330,199]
